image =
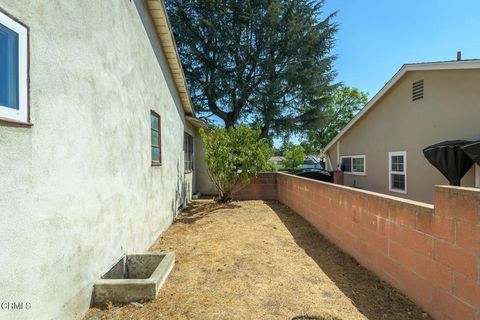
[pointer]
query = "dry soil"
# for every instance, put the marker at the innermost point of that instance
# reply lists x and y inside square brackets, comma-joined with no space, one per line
[260,260]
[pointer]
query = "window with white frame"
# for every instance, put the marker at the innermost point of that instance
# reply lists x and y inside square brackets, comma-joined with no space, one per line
[188,151]
[156,138]
[353,164]
[397,171]
[13,66]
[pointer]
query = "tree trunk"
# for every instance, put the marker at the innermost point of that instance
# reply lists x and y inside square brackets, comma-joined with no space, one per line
[265,129]
[229,123]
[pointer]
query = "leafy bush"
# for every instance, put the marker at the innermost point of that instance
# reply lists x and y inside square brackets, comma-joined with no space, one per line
[294,157]
[233,157]
[270,166]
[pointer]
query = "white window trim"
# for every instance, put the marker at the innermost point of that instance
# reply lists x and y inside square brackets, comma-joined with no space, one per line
[477,176]
[390,155]
[22,113]
[193,152]
[357,156]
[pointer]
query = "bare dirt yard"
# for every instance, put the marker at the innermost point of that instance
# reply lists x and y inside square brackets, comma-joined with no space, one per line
[260,260]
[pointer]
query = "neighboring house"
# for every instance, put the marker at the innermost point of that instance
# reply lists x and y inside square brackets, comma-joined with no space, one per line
[426,103]
[278,161]
[99,146]
[311,162]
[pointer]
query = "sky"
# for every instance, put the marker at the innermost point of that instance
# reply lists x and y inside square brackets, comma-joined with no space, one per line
[376,37]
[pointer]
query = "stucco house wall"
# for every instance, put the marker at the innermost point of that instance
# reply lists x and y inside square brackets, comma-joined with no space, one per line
[449,110]
[205,185]
[78,188]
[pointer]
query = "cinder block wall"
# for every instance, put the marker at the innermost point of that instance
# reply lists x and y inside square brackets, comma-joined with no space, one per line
[431,253]
[263,187]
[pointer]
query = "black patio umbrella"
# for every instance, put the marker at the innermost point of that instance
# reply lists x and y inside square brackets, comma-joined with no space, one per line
[473,151]
[449,158]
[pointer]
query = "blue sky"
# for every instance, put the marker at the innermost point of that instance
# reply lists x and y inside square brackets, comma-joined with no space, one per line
[376,37]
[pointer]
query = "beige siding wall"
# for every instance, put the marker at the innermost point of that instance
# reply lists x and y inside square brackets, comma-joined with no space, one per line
[449,110]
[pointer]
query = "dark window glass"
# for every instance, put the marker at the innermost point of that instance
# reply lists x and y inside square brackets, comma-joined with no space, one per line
[155,138]
[8,68]
[347,164]
[188,151]
[398,181]
[397,163]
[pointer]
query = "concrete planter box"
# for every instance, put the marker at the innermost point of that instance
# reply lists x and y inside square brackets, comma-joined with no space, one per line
[134,277]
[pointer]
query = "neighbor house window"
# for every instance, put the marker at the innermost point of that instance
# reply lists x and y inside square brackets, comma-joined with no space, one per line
[188,151]
[353,164]
[397,175]
[13,69]
[156,138]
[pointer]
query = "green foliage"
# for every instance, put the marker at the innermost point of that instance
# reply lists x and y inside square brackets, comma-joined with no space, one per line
[286,144]
[265,62]
[346,103]
[309,148]
[294,157]
[270,166]
[233,157]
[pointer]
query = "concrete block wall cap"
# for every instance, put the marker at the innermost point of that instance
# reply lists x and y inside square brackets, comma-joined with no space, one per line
[456,189]
[365,192]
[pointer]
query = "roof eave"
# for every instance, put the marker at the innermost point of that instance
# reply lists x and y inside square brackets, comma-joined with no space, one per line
[197,123]
[158,14]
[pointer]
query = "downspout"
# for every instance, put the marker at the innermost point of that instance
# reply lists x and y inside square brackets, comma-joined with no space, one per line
[338,156]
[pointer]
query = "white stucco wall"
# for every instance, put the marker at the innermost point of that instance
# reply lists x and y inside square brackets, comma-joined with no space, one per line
[204,185]
[77,188]
[190,179]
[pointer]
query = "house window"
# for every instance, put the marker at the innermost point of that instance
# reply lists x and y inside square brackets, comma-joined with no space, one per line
[13,66]
[353,164]
[188,151]
[397,175]
[156,138]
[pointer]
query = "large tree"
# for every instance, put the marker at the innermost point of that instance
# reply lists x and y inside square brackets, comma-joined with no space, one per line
[345,104]
[264,62]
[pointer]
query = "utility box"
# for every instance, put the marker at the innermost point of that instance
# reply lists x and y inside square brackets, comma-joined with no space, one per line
[134,277]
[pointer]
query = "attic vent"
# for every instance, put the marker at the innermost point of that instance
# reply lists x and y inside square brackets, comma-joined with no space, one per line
[417,90]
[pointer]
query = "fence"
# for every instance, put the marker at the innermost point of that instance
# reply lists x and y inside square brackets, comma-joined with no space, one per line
[429,252]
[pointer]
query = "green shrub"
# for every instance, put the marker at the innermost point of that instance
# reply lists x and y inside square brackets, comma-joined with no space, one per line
[233,157]
[270,166]
[294,157]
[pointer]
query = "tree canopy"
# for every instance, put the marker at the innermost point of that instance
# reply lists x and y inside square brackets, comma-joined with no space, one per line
[262,62]
[293,157]
[345,104]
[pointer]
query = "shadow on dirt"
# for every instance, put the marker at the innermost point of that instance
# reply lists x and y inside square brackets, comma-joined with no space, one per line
[374,298]
[200,209]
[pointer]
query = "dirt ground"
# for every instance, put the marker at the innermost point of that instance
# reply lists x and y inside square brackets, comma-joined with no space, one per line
[260,260]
